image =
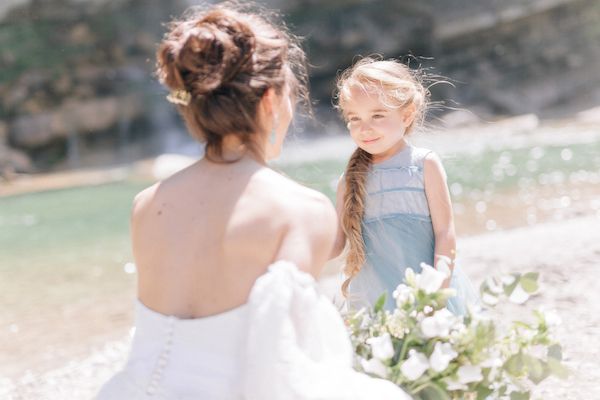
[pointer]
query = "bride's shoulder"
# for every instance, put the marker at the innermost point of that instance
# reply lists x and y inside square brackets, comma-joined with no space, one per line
[298,199]
[143,200]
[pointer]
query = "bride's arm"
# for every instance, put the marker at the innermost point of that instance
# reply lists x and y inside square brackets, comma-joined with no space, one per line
[308,240]
[340,239]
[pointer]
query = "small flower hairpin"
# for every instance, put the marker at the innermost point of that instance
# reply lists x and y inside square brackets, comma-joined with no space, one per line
[180,96]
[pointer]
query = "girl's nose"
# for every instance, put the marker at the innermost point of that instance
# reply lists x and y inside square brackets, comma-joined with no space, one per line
[365,126]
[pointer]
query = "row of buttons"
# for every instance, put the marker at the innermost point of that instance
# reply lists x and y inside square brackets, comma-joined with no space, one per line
[162,358]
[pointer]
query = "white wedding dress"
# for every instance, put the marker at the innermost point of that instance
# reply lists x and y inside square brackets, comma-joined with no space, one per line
[287,342]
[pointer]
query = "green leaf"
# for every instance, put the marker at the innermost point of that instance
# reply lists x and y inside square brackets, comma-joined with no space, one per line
[529,285]
[519,396]
[558,369]
[509,289]
[555,351]
[535,369]
[515,365]
[483,392]
[433,392]
[532,276]
[380,303]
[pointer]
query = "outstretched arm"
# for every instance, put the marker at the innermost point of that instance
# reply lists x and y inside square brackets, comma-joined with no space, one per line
[440,208]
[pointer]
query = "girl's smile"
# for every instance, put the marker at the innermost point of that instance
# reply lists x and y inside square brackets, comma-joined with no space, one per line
[370,141]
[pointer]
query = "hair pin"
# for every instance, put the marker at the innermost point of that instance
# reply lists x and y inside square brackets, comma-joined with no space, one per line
[180,96]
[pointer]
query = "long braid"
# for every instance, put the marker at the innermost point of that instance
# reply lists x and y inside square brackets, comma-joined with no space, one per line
[354,209]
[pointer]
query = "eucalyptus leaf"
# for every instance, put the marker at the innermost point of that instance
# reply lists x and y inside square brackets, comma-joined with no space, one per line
[519,396]
[534,276]
[515,365]
[558,369]
[535,368]
[483,392]
[380,303]
[509,289]
[555,351]
[529,285]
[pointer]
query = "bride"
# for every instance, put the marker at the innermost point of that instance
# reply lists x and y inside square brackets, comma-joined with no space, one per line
[227,250]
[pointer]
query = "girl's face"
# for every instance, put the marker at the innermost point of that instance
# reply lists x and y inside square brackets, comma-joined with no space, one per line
[375,127]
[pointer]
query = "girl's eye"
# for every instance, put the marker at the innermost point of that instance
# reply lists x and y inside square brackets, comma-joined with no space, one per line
[353,119]
[378,116]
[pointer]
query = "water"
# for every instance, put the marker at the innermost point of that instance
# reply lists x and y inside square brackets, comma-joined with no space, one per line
[65,271]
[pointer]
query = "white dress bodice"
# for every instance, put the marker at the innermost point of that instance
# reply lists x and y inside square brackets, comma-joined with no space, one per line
[286,342]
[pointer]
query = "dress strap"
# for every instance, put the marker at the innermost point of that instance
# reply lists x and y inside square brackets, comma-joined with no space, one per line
[418,156]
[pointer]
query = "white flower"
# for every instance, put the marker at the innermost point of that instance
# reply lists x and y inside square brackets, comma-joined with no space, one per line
[507,279]
[430,279]
[442,354]
[495,285]
[493,360]
[415,366]
[365,321]
[489,299]
[538,351]
[395,324]
[375,367]
[439,324]
[403,295]
[409,276]
[552,318]
[519,295]
[469,373]
[452,384]
[382,347]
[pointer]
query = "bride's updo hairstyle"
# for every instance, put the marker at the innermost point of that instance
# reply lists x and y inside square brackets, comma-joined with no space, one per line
[218,61]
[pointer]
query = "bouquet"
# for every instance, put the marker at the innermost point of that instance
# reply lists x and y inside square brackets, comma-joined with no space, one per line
[433,354]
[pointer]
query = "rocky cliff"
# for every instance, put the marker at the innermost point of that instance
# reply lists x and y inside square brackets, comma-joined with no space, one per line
[76,75]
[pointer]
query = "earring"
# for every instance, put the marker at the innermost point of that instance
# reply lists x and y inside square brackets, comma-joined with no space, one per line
[273,135]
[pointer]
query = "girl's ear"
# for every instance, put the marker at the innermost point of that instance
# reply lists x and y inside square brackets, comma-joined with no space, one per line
[409,114]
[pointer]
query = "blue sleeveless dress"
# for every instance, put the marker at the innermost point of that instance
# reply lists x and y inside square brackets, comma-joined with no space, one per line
[398,233]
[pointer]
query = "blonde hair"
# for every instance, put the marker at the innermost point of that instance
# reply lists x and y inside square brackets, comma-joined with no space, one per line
[398,87]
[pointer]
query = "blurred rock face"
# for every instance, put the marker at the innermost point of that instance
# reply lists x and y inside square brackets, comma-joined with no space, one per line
[76,74]
[505,56]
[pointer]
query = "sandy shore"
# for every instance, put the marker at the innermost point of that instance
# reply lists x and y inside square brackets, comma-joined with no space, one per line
[567,255]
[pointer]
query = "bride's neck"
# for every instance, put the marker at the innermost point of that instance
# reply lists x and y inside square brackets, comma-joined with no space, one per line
[233,150]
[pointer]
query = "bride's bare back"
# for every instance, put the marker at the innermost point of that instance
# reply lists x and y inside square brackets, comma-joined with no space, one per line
[202,237]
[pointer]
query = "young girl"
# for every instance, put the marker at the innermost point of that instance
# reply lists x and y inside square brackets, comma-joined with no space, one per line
[393,202]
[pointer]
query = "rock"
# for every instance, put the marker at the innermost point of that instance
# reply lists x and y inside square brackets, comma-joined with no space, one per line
[3,133]
[460,118]
[74,118]
[19,162]
[519,124]
[81,34]
[32,130]
[592,115]
[12,160]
